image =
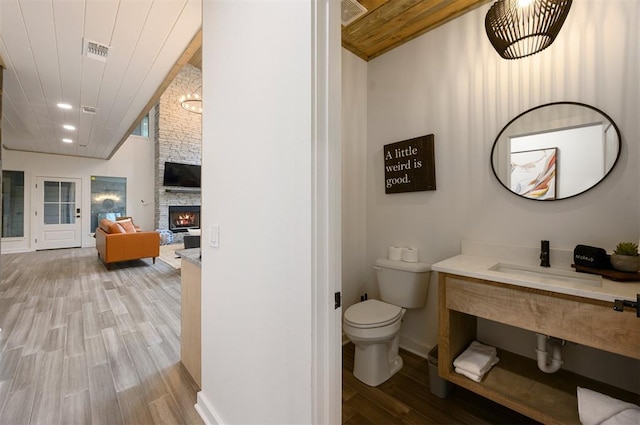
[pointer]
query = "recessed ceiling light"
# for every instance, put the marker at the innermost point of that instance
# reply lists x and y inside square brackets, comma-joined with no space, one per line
[67,140]
[68,127]
[64,106]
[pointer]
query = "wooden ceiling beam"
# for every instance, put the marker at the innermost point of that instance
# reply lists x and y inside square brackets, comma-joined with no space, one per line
[189,52]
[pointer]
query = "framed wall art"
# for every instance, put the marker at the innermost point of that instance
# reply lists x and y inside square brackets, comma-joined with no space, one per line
[533,173]
[409,166]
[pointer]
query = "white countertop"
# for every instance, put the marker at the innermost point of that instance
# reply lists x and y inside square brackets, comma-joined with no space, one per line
[480,267]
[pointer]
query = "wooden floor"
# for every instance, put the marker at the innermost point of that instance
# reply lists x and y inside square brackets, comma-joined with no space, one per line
[83,345]
[407,399]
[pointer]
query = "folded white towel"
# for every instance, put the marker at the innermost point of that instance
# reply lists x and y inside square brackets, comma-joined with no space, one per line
[474,376]
[469,375]
[477,359]
[478,346]
[600,409]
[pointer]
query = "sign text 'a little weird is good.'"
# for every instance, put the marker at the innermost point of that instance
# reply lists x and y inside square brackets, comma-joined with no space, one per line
[409,166]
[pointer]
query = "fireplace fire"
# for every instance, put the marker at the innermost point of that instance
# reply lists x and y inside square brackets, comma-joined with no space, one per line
[184,217]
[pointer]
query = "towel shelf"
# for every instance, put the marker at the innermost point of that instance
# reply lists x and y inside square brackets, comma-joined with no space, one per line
[516,382]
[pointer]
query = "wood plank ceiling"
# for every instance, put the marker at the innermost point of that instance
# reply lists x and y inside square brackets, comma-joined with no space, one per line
[388,24]
[42,47]
[391,23]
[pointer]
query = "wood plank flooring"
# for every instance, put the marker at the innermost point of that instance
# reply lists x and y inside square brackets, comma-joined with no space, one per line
[83,345]
[407,399]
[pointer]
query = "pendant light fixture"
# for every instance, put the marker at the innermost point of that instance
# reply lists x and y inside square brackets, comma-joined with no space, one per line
[519,28]
[192,102]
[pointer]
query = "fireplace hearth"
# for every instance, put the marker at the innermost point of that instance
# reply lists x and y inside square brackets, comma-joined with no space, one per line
[184,217]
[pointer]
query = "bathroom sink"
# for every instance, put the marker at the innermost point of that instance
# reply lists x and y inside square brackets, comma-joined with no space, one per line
[548,275]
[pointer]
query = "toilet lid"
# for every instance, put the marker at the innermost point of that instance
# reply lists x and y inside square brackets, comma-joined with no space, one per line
[372,314]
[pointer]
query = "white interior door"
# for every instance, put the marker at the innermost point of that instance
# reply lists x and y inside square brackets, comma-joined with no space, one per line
[57,215]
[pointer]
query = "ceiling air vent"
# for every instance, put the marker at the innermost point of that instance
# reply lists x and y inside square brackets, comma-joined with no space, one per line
[351,10]
[89,110]
[94,50]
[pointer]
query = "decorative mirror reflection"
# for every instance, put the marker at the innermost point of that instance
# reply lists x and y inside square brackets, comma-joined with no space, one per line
[555,151]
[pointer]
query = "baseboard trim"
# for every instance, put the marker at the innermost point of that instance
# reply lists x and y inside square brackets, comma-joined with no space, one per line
[206,410]
[15,250]
[415,347]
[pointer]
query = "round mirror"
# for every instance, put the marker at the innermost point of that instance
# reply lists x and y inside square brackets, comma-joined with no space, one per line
[555,151]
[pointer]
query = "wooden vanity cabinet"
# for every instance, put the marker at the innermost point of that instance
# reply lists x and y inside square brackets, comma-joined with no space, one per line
[190,339]
[516,381]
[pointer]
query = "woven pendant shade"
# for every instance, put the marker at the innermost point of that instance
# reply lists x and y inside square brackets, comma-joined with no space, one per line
[517,31]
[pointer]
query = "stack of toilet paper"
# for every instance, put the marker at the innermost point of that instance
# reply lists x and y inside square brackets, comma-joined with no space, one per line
[476,361]
[409,255]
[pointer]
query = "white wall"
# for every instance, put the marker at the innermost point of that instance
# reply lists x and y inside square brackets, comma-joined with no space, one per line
[259,152]
[134,160]
[450,82]
[354,178]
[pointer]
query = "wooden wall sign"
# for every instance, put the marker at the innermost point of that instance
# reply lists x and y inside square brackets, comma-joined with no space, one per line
[409,166]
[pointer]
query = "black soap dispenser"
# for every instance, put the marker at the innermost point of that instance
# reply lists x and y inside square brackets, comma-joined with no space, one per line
[544,254]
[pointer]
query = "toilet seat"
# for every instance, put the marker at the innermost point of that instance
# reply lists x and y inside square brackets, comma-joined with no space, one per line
[372,314]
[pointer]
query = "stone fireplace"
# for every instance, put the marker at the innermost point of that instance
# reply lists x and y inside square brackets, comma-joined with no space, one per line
[178,136]
[183,217]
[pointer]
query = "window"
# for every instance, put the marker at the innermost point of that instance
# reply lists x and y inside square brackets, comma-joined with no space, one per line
[142,129]
[108,198]
[12,204]
[59,202]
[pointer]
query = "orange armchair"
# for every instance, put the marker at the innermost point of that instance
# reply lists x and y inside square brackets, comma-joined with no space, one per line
[122,241]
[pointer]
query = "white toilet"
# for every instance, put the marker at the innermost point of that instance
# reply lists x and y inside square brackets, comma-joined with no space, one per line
[374,326]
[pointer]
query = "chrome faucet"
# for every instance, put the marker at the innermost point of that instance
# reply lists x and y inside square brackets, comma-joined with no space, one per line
[544,254]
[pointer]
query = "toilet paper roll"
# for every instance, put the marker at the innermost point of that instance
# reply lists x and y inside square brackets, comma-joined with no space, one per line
[410,255]
[395,253]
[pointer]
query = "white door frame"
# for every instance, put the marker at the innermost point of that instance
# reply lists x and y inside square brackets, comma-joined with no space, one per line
[326,191]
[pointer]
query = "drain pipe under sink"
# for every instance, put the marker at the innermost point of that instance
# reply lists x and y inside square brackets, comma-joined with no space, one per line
[544,363]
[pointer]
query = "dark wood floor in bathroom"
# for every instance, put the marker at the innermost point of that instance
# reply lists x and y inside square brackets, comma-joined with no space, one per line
[407,399]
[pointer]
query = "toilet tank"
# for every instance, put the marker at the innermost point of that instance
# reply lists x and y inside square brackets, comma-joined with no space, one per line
[401,283]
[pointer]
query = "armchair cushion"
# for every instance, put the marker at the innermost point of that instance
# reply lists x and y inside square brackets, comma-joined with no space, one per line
[116,228]
[109,226]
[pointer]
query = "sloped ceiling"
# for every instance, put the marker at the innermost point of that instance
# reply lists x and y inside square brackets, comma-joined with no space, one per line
[41,46]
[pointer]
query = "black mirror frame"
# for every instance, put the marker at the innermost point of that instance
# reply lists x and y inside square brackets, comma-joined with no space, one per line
[493,147]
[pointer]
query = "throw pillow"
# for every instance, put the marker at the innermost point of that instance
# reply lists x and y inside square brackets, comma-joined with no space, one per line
[116,228]
[194,232]
[127,225]
[104,224]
